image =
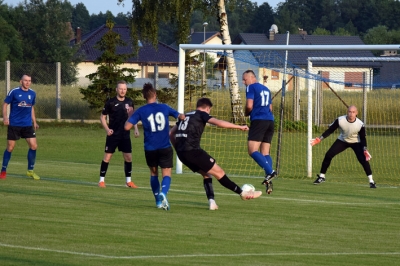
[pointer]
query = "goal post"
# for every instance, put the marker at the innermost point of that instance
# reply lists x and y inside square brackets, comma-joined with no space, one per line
[335,81]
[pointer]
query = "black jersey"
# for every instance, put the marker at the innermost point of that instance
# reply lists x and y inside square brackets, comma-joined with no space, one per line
[189,131]
[117,115]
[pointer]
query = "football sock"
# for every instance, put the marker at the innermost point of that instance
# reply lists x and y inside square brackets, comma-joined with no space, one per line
[322,175]
[229,184]
[128,179]
[370,179]
[128,170]
[103,170]
[165,184]
[269,159]
[262,162]
[31,159]
[208,187]
[6,159]
[101,179]
[155,185]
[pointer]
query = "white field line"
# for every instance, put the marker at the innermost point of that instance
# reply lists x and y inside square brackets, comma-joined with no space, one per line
[201,255]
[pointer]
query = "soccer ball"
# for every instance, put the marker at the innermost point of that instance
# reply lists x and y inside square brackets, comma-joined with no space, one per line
[248,187]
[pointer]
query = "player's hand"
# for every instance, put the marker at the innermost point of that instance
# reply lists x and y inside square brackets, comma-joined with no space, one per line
[367,155]
[137,133]
[110,132]
[6,121]
[315,141]
[244,128]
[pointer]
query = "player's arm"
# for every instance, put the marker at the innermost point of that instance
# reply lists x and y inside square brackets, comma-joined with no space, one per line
[363,141]
[172,134]
[103,120]
[33,116]
[6,122]
[330,130]
[136,130]
[226,124]
[249,107]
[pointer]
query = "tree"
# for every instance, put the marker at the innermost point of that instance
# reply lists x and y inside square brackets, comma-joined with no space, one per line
[109,71]
[81,18]
[45,38]
[10,42]
[147,15]
[262,19]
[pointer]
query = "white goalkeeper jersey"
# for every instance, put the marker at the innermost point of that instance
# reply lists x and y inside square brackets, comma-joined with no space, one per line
[349,131]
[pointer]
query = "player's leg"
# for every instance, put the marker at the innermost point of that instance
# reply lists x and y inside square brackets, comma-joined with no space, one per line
[337,147]
[152,163]
[165,160]
[125,146]
[29,134]
[255,138]
[359,152]
[209,189]
[7,157]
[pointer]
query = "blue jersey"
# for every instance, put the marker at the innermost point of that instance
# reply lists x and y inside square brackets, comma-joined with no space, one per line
[21,103]
[262,100]
[154,117]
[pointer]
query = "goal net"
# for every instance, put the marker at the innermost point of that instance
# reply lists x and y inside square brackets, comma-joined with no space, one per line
[311,85]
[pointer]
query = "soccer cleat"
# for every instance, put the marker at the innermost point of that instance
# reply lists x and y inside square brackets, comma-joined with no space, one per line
[372,185]
[319,180]
[213,205]
[268,178]
[269,187]
[131,185]
[158,201]
[102,184]
[3,175]
[248,195]
[30,173]
[164,202]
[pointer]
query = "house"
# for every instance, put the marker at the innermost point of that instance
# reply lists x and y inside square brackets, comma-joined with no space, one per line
[150,60]
[334,73]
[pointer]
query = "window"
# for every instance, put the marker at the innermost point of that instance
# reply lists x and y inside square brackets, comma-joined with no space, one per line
[353,80]
[161,75]
[274,74]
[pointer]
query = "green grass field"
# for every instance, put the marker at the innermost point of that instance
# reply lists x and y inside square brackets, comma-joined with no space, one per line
[65,219]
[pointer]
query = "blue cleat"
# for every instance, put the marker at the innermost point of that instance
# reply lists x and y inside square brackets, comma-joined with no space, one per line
[164,202]
[158,201]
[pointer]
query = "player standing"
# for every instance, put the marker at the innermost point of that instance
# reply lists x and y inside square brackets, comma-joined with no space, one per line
[185,137]
[22,116]
[158,150]
[118,110]
[352,135]
[259,108]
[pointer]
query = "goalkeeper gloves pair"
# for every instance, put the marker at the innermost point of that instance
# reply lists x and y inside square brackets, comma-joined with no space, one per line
[318,140]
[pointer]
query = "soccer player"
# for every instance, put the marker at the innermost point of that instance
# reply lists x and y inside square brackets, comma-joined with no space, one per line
[352,135]
[158,150]
[118,110]
[22,116]
[259,108]
[185,137]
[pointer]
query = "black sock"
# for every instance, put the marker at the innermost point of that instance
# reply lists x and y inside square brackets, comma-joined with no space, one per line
[128,169]
[229,184]
[103,168]
[208,187]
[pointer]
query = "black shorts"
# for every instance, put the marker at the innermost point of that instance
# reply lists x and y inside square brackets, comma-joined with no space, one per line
[124,145]
[261,130]
[15,133]
[161,157]
[197,160]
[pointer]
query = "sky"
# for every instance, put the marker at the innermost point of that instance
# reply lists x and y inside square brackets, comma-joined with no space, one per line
[94,6]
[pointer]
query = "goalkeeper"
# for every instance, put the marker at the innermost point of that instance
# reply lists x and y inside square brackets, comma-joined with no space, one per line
[352,135]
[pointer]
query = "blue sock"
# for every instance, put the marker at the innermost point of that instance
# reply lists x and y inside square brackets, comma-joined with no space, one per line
[262,162]
[31,159]
[165,184]
[155,185]
[6,159]
[269,159]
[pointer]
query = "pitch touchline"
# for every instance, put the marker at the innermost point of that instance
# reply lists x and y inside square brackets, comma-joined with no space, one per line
[198,255]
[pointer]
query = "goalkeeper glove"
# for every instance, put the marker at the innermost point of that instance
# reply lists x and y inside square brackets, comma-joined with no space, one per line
[367,155]
[315,141]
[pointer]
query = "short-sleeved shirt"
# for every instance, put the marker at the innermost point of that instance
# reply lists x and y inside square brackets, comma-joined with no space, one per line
[262,100]
[188,134]
[155,121]
[117,112]
[21,103]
